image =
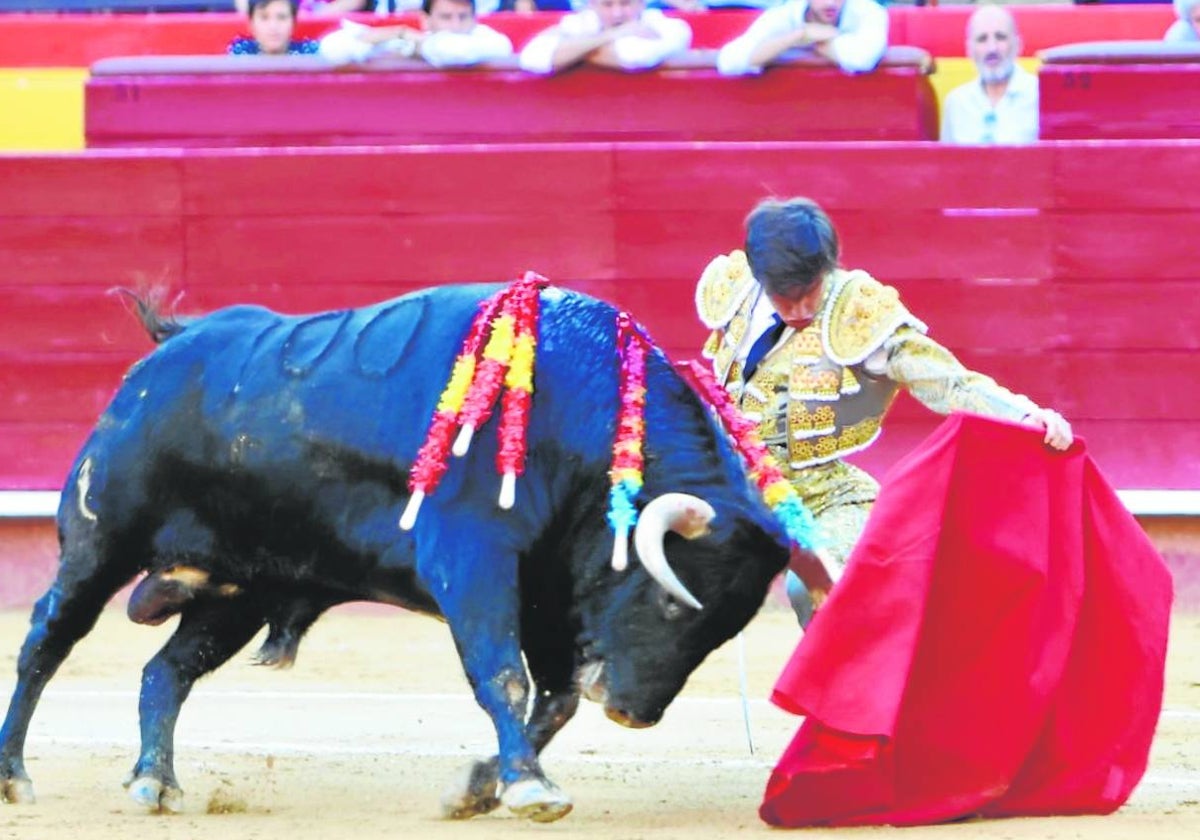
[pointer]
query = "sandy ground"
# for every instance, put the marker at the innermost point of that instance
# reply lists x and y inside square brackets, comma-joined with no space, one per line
[358,740]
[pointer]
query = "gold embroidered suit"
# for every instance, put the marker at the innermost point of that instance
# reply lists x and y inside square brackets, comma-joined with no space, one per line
[820,394]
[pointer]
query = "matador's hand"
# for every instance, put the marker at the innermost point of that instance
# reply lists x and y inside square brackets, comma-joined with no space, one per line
[1058,430]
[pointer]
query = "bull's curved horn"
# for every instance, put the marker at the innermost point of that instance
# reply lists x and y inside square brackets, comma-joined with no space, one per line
[684,514]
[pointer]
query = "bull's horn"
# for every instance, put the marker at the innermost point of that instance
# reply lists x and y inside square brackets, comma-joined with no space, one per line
[684,514]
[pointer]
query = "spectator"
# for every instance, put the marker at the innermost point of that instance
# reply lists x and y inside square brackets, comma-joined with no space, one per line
[1187,28]
[850,33]
[451,37]
[327,8]
[621,34]
[1001,106]
[271,25]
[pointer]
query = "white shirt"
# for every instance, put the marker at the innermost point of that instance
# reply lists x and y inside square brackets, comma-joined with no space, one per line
[632,52]
[441,49]
[1181,32]
[968,116]
[863,25]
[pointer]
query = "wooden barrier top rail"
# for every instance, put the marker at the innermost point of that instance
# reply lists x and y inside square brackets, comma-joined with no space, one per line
[1122,52]
[302,101]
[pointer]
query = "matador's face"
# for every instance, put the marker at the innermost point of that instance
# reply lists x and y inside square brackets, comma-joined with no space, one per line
[798,312]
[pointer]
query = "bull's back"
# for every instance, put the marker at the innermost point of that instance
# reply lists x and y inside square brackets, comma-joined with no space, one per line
[289,400]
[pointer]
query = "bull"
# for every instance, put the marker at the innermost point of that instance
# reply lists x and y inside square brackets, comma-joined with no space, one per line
[252,471]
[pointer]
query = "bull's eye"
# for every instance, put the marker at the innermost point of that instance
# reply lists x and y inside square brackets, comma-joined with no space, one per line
[670,608]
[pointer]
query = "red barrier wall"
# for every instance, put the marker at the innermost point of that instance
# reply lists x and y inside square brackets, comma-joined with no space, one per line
[1065,269]
[1120,91]
[142,102]
[80,40]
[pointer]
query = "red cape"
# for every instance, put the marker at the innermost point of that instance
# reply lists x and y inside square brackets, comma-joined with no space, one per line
[995,647]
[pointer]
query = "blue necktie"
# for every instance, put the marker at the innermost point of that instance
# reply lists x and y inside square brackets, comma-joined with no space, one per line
[762,345]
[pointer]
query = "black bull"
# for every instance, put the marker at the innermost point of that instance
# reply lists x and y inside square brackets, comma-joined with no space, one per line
[255,466]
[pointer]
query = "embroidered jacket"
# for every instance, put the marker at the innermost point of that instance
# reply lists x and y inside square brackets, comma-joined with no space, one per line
[822,391]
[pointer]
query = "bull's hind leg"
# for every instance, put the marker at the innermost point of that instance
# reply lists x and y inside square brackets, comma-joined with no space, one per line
[209,633]
[61,617]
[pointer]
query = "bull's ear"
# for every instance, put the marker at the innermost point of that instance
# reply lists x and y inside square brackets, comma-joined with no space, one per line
[682,513]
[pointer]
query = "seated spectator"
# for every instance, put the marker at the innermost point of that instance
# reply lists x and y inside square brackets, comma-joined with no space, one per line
[1187,28]
[271,25]
[620,34]
[850,33]
[328,8]
[451,37]
[1001,106]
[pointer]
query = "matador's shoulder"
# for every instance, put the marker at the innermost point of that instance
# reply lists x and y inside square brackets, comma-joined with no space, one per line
[723,286]
[861,314]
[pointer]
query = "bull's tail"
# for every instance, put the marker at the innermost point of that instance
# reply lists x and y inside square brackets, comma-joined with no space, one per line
[148,305]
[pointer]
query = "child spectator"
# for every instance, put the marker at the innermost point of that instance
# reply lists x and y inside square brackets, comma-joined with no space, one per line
[852,34]
[620,34]
[271,25]
[451,37]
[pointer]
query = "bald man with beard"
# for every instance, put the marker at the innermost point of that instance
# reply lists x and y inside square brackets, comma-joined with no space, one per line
[1000,107]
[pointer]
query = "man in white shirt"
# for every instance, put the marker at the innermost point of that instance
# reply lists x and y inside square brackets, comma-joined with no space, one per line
[1001,106]
[620,34]
[850,33]
[451,37]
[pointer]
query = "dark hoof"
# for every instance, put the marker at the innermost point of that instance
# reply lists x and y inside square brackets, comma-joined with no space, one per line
[277,655]
[17,791]
[473,792]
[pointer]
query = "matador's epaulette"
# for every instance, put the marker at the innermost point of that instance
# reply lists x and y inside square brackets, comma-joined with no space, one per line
[861,315]
[723,286]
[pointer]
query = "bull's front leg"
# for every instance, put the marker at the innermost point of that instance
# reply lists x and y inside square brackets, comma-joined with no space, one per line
[550,655]
[482,610]
[476,789]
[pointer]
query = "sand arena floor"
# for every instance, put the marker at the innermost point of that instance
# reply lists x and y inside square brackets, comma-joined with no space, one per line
[359,739]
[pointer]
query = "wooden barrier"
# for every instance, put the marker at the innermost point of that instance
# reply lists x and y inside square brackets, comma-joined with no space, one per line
[1120,90]
[301,101]
[28,40]
[1063,269]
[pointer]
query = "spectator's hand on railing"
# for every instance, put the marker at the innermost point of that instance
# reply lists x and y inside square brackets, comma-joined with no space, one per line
[382,34]
[635,29]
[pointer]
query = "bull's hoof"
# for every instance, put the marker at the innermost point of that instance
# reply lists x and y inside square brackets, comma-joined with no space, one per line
[17,791]
[276,655]
[473,792]
[536,800]
[152,794]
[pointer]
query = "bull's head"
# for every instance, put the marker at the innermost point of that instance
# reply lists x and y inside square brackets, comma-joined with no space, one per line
[707,569]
